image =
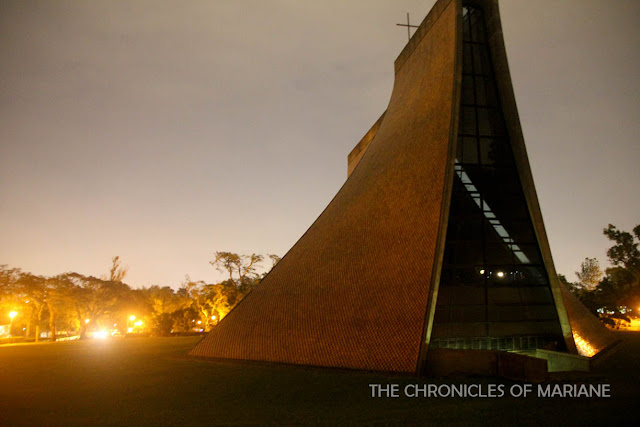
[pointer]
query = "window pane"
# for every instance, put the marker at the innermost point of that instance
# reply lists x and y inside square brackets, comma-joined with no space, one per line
[492,268]
[468,121]
[470,150]
[467,90]
[481,95]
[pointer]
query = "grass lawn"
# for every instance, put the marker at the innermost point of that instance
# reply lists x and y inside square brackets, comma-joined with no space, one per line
[149,381]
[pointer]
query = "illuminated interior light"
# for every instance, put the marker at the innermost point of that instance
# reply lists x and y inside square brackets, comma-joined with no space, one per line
[584,347]
[500,274]
[481,271]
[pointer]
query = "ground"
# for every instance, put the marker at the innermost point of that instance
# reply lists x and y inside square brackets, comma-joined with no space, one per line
[151,381]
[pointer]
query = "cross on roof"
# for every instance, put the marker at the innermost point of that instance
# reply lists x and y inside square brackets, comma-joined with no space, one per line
[409,26]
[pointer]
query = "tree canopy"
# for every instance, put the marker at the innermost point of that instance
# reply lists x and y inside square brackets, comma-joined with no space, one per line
[82,303]
[616,293]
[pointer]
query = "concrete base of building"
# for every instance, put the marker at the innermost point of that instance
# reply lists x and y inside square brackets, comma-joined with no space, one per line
[532,366]
[443,362]
[563,362]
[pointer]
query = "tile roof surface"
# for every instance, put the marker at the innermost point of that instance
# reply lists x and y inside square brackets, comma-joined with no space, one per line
[352,292]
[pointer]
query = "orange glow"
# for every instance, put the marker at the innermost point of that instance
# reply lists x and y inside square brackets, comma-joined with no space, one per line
[13,314]
[86,320]
[583,346]
[132,318]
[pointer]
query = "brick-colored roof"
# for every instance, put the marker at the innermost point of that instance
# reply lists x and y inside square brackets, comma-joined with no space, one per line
[585,326]
[353,291]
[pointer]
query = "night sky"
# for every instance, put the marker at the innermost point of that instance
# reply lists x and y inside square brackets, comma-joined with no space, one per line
[163,131]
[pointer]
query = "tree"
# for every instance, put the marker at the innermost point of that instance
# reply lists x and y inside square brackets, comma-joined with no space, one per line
[117,272]
[11,297]
[183,319]
[625,252]
[573,287]
[59,300]
[164,303]
[244,266]
[75,301]
[274,259]
[8,279]
[32,289]
[208,301]
[221,298]
[94,299]
[589,275]
[623,280]
[619,289]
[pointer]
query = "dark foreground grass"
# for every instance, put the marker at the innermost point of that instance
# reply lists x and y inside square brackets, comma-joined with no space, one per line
[149,381]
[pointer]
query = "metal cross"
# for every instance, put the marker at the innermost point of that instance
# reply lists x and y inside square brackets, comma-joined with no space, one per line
[409,26]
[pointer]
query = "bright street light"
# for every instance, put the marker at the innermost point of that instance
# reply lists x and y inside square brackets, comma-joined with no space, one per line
[12,315]
[132,317]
